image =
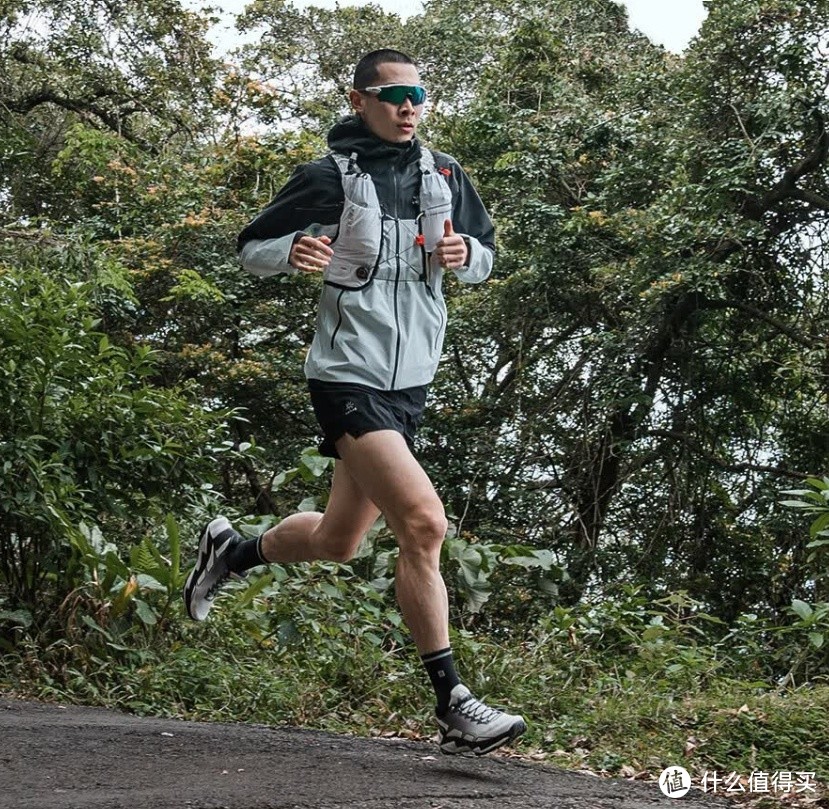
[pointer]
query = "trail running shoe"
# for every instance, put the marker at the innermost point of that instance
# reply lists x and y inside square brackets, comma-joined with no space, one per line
[469,726]
[211,570]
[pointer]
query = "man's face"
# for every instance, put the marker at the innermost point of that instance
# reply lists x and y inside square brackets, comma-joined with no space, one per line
[390,122]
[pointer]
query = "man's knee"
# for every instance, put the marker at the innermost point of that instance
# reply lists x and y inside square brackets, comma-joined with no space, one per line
[425,527]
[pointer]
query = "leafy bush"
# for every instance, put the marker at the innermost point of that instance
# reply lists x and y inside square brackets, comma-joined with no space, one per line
[84,435]
[814,502]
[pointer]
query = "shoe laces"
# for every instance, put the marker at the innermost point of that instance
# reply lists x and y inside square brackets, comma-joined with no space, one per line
[475,710]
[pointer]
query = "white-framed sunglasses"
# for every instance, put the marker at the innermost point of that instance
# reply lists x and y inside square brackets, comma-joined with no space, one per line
[398,93]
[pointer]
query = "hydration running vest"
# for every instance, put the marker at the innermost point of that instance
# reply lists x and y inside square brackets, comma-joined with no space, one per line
[382,317]
[361,224]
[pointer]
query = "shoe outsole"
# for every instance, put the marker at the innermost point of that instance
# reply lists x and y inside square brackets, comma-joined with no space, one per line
[197,568]
[510,735]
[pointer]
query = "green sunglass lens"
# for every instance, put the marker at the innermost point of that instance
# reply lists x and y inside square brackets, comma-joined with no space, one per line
[399,93]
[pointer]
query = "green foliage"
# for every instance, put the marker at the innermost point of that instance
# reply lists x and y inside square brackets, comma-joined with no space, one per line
[622,402]
[621,682]
[119,597]
[82,432]
[652,333]
[475,562]
[141,73]
[647,363]
[814,501]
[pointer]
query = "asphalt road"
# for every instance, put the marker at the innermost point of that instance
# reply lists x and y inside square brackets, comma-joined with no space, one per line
[54,757]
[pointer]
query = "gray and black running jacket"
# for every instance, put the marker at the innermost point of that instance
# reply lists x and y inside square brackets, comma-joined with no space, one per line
[382,316]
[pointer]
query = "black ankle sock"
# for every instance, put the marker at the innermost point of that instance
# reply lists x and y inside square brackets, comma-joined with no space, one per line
[247,553]
[440,666]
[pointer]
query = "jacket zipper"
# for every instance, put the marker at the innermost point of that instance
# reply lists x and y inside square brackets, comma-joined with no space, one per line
[440,328]
[424,257]
[339,318]
[396,280]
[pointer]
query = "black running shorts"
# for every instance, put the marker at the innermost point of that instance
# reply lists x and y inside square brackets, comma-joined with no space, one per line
[345,407]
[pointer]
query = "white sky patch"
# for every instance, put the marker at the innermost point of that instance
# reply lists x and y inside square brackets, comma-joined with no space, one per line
[672,24]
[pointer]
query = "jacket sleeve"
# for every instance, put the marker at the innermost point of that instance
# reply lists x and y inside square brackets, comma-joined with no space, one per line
[471,220]
[307,203]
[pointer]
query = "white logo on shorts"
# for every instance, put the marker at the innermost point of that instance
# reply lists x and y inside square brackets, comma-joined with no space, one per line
[350,407]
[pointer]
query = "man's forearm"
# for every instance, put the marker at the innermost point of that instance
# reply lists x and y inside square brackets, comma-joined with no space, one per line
[478,262]
[264,257]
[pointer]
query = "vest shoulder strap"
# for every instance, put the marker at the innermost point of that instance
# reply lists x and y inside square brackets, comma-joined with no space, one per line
[427,160]
[349,165]
[346,165]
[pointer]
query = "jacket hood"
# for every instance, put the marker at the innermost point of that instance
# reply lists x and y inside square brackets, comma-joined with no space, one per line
[352,135]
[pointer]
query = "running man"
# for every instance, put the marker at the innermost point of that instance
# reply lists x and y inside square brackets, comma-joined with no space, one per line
[382,218]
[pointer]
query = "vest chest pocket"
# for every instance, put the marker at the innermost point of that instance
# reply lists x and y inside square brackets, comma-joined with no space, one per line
[436,199]
[360,235]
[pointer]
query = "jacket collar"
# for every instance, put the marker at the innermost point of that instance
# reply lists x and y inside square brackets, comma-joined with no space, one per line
[352,135]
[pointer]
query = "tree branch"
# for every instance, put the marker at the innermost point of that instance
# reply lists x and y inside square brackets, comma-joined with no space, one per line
[786,187]
[467,385]
[694,446]
[31,236]
[812,198]
[81,106]
[754,311]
